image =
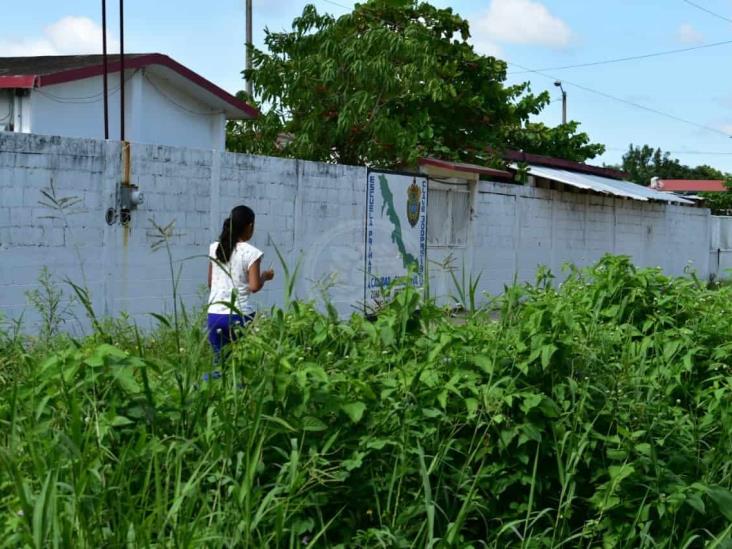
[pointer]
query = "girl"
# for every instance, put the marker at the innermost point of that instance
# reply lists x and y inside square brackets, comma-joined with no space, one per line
[233,274]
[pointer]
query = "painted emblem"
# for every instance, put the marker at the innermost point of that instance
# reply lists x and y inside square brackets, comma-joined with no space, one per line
[414,204]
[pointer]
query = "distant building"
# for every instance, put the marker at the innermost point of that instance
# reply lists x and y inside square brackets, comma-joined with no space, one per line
[165,102]
[688,185]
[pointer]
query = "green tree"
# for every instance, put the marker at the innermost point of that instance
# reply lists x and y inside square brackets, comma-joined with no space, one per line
[387,83]
[720,203]
[563,141]
[644,162]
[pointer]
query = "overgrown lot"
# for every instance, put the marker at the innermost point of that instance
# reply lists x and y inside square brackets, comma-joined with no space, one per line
[593,413]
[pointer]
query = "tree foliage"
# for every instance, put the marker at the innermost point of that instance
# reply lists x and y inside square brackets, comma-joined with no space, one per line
[387,83]
[644,162]
[719,203]
[563,141]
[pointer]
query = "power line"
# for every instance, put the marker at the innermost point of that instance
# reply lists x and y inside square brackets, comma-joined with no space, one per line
[84,99]
[703,153]
[625,101]
[76,100]
[707,10]
[618,60]
[629,58]
[174,102]
[339,5]
[697,153]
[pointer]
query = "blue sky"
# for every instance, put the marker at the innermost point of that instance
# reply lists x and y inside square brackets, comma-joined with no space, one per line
[696,86]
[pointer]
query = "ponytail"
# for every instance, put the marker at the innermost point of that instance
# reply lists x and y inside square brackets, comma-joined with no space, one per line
[234,228]
[226,242]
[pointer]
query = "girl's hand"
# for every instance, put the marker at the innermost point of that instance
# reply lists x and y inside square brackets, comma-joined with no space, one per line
[268,274]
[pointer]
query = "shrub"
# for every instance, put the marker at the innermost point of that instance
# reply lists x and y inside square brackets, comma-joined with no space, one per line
[596,412]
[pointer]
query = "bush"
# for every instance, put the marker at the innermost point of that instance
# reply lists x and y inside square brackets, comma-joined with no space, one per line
[592,413]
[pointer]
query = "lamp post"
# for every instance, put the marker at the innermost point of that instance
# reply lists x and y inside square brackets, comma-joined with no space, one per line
[558,84]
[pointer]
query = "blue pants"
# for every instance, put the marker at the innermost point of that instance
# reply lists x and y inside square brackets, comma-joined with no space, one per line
[221,329]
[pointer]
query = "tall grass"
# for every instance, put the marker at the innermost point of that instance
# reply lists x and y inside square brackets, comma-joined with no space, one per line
[596,413]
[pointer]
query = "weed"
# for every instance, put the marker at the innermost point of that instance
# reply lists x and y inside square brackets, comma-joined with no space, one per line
[53,307]
[592,413]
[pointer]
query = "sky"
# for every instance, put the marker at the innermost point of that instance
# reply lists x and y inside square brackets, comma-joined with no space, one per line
[616,104]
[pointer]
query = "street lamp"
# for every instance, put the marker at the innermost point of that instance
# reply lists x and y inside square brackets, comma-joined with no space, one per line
[558,84]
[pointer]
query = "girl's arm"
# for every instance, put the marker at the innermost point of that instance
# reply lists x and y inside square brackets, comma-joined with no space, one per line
[257,279]
[210,269]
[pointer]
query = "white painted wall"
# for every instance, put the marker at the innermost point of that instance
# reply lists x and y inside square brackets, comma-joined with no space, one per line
[553,228]
[76,109]
[720,250]
[516,228]
[195,189]
[314,213]
[170,117]
[155,112]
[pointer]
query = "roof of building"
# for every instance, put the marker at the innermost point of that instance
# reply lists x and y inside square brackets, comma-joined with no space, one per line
[561,163]
[580,176]
[689,185]
[37,72]
[456,168]
[605,185]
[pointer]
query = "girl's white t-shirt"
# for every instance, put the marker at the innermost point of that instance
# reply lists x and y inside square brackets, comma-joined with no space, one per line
[232,279]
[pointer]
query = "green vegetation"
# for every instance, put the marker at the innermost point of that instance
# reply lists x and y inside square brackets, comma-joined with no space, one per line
[387,83]
[593,413]
[643,163]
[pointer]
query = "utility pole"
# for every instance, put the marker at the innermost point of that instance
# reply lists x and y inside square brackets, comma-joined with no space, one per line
[564,101]
[122,70]
[106,69]
[249,47]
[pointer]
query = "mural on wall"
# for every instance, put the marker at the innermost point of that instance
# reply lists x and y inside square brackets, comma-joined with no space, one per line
[396,231]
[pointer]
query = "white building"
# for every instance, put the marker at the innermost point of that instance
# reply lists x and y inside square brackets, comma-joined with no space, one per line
[165,103]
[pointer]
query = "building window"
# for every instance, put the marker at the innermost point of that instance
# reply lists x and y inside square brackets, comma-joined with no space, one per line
[448,216]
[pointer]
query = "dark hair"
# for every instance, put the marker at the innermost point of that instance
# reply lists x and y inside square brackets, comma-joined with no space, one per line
[234,226]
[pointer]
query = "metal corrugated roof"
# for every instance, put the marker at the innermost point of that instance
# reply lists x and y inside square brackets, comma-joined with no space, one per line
[606,185]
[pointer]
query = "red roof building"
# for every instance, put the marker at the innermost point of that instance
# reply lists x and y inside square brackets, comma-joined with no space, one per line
[689,185]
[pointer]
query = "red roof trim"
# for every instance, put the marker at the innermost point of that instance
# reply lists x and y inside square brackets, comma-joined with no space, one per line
[131,62]
[690,185]
[560,163]
[23,81]
[462,167]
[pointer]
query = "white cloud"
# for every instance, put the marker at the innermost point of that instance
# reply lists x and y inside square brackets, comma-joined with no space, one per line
[520,22]
[689,35]
[487,47]
[67,36]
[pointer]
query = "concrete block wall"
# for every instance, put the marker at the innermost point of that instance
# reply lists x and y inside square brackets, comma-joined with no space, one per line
[330,217]
[313,213]
[35,172]
[519,228]
[720,253]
